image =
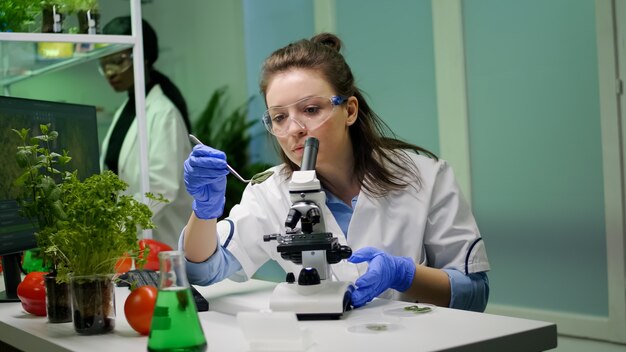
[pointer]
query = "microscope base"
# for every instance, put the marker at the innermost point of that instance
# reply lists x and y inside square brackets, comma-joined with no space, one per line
[324,301]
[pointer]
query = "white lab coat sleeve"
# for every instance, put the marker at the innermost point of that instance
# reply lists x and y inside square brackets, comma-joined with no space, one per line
[259,213]
[452,239]
[165,159]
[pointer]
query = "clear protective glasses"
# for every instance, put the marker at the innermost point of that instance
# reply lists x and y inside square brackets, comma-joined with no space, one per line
[115,64]
[309,113]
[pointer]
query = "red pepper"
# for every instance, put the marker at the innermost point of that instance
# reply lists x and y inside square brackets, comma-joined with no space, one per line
[152,261]
[123,264]
[32,292]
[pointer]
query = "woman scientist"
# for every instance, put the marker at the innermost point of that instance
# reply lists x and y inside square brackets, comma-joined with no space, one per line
[399,211]
[167,129]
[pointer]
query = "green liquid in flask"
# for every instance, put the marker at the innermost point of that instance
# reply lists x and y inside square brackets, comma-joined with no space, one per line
[175,323]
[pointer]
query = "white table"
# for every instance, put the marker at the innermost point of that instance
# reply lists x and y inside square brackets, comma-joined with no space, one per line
[442,329]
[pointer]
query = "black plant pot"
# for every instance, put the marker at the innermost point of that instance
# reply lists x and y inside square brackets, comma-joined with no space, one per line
[51,19]
[58,300]
[88,22]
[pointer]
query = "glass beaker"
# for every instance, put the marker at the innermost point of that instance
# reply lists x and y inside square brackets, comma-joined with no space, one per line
[175,323]
[93,304]
[58,300]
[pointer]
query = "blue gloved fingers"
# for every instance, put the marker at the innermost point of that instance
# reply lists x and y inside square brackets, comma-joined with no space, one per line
[360,298]
[209,200]
[364,255]
[204,165]
[204,160]
[197,180]
[199,176]
[384,271]
[215,161]
[370,284]
[372,275]
[205,173]
[206,151]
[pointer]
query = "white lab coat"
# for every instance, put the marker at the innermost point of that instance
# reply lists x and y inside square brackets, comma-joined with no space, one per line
[434,225]
[168,148]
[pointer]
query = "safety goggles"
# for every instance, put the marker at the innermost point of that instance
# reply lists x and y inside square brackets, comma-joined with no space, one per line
[308,113]
[116,64]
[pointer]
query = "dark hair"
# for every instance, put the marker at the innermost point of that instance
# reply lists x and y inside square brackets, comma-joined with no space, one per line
[122,26]
[378,153]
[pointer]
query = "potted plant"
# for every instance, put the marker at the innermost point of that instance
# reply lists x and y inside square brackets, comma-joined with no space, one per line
[88,14]
[40,201]
[99,226]
[52,16]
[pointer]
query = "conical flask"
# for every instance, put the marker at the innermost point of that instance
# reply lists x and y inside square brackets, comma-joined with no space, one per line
[175,323]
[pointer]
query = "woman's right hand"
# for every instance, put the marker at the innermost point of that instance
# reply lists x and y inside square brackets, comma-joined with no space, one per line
[205,178]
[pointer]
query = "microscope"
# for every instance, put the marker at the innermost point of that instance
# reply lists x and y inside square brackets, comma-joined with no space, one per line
[314,296]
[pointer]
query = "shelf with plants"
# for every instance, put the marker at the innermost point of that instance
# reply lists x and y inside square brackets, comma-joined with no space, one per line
[39,24]
[20,60]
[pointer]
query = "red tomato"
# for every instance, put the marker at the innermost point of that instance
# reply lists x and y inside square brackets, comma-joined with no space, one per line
[139,307]
[123,264]
[152,261]
[32,293]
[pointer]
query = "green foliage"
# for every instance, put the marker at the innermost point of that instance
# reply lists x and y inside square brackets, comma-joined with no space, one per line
[40,183]
[229,132]
[44,3]
[84,227]
[79,5]
[16,15]
[100,226]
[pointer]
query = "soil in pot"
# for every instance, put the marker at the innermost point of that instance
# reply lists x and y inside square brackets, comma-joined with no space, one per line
[58,302]
[93,304]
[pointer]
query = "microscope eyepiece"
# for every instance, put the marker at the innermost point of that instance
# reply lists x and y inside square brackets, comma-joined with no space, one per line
[311,145]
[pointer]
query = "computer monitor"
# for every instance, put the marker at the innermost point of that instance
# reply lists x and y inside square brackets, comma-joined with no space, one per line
[77,128]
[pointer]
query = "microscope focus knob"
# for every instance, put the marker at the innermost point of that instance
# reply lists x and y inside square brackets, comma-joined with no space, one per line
[308,277]
[290,278]
[345,252]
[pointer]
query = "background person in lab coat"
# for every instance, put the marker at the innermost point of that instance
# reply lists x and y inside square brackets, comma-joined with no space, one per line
[395,204]
[167,129]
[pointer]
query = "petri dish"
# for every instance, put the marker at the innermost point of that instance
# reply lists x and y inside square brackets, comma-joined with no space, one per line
[413,310]
[375,327]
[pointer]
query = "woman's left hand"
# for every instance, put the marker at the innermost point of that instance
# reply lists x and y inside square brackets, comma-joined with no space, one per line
[384,271]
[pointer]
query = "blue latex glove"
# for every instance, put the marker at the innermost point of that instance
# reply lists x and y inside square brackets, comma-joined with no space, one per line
[205,179]
[384,271]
